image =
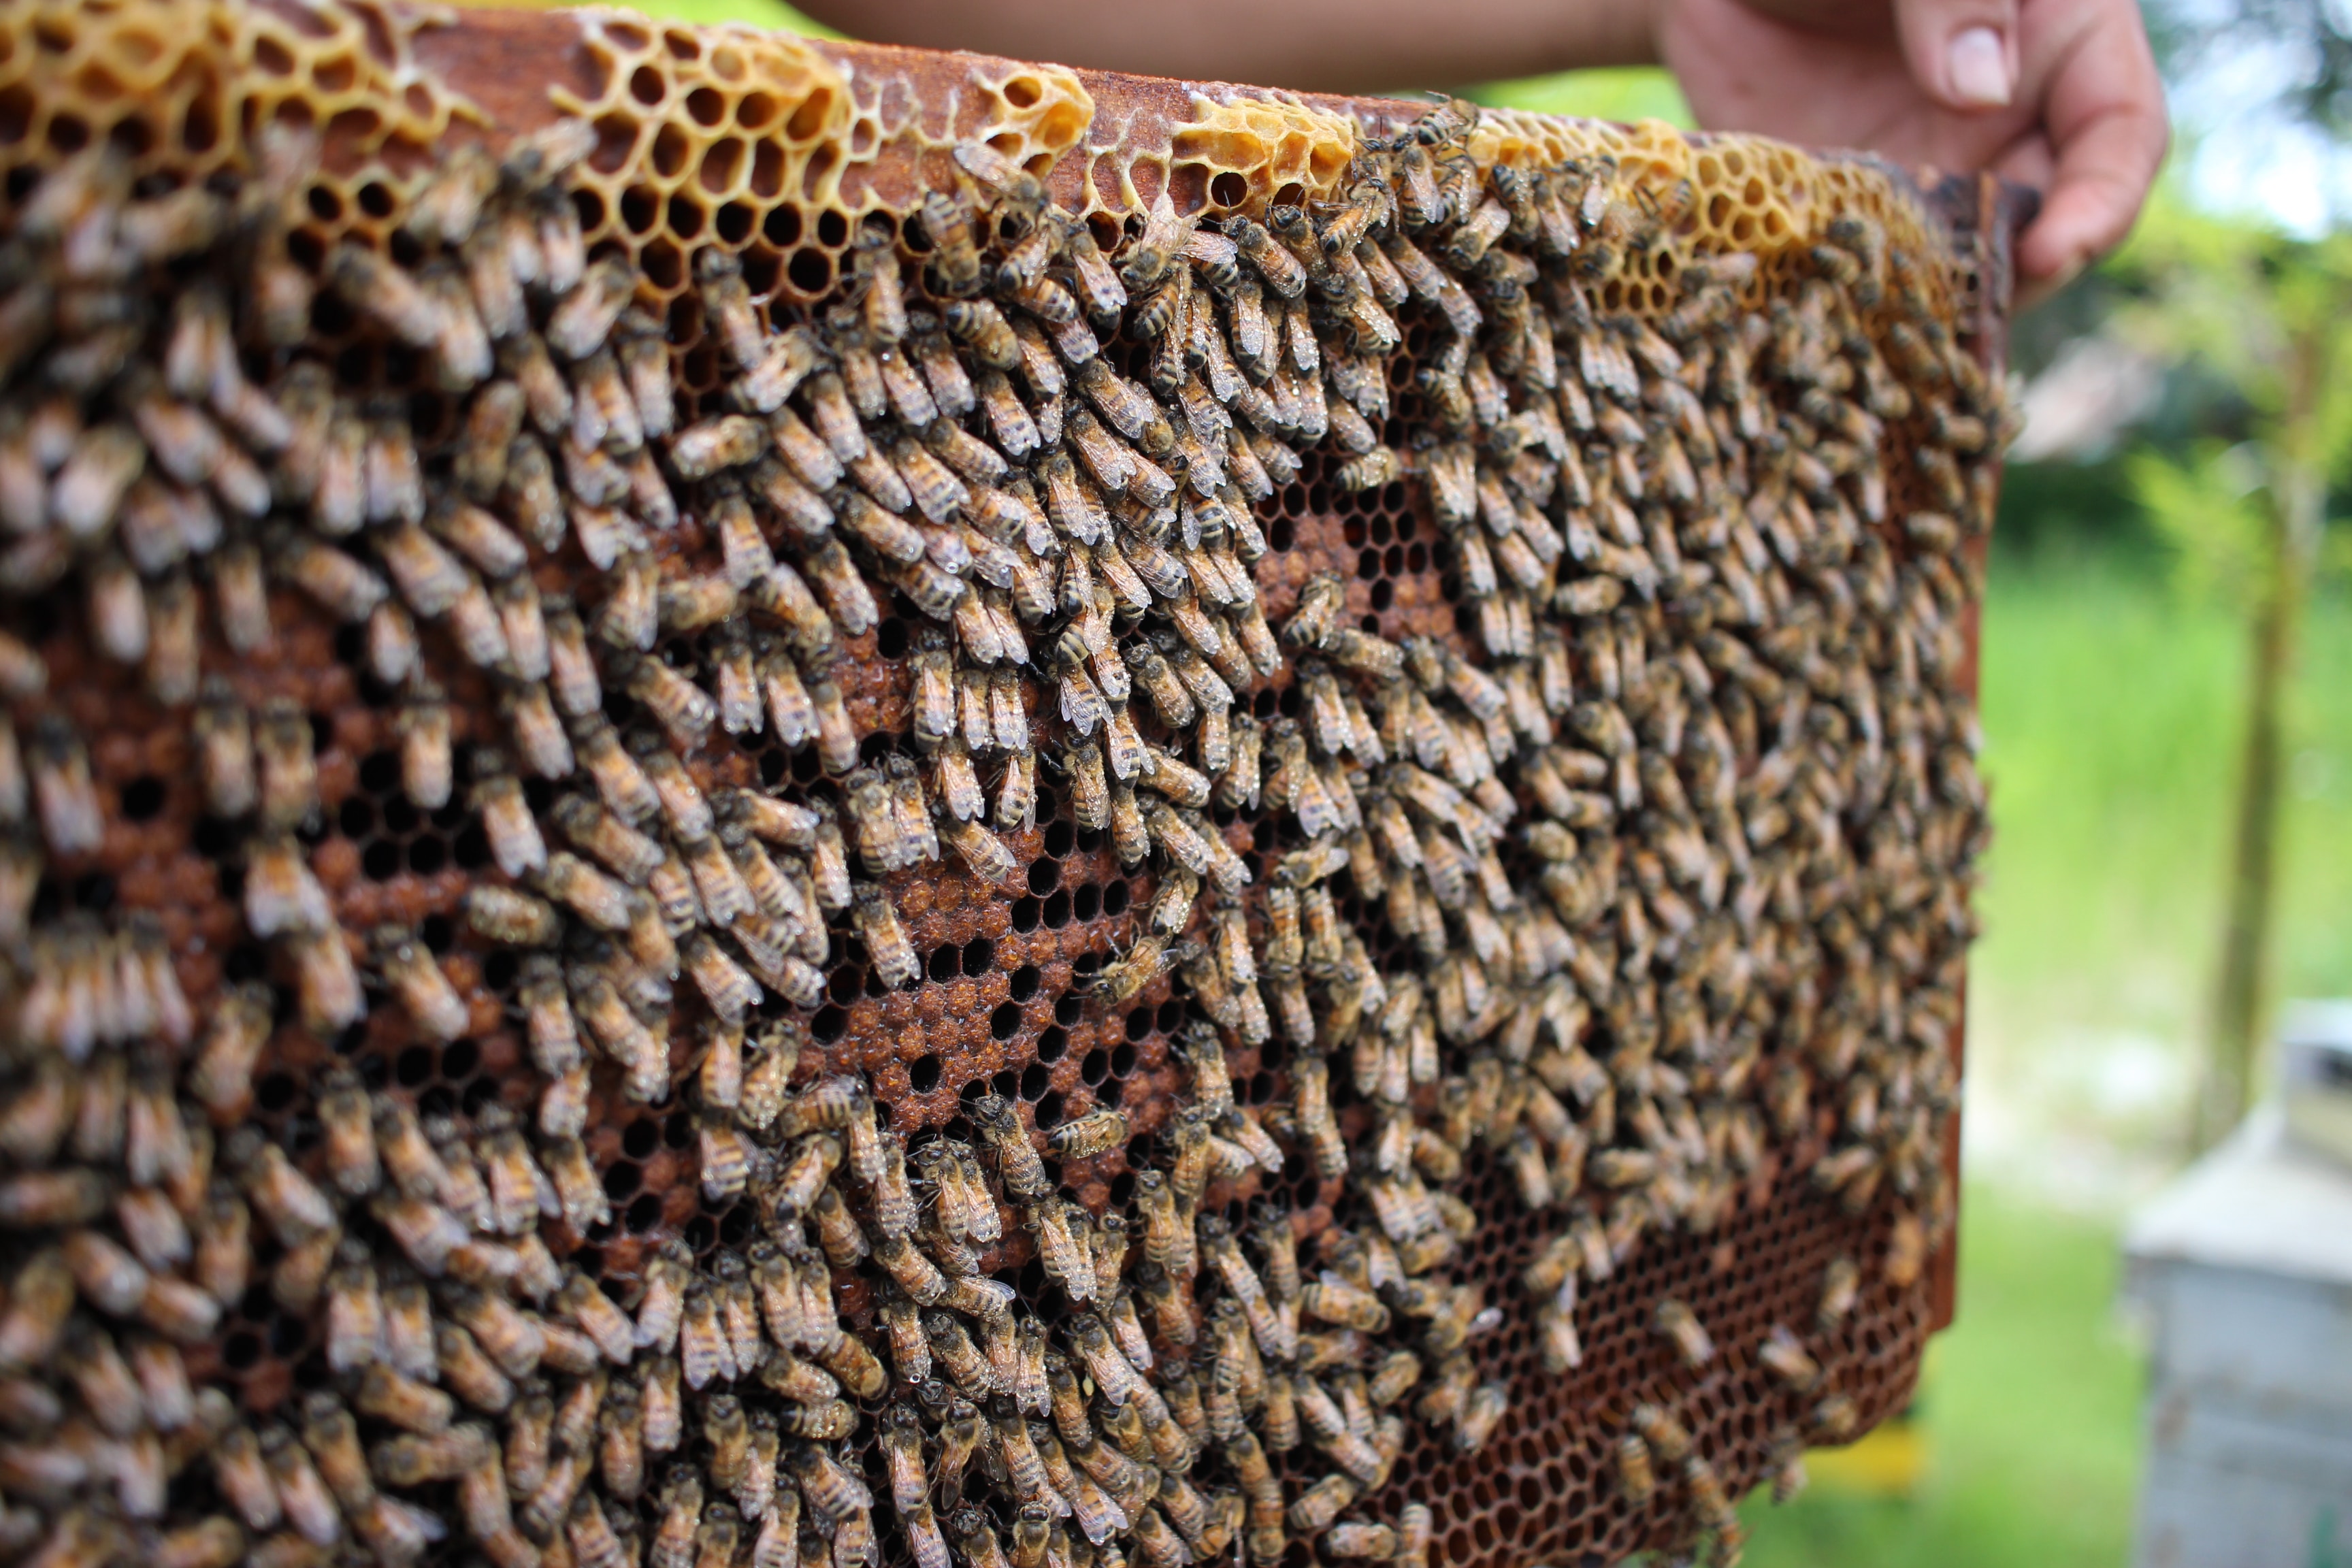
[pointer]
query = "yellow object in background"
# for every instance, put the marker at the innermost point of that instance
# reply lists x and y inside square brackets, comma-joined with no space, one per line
[1888,1462]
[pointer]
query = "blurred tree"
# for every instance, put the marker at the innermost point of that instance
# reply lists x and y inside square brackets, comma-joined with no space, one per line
[2272,318]
[2305,47]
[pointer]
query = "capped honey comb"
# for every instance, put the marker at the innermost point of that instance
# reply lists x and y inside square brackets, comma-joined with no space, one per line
[769,802]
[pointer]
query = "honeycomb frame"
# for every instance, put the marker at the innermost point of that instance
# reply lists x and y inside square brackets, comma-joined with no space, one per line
[858,132]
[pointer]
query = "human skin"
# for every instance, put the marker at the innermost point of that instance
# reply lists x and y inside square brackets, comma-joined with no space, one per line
[2060,95]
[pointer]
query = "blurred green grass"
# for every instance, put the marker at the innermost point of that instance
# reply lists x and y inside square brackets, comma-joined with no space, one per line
[2111,708]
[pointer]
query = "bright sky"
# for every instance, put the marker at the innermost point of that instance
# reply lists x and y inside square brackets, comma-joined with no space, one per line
[2239,153]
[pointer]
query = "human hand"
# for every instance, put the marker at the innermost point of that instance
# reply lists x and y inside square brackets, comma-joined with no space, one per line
[2062,95]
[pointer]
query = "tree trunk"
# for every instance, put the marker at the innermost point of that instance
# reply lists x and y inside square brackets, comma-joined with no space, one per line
[2296,515]
[2239,1002]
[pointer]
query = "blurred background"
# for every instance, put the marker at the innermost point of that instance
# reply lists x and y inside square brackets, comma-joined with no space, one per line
[2168,737]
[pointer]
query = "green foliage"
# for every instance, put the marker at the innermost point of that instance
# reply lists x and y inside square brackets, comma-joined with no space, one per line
[2253,307]
[2066,504]
[770,13]
[1624,93]
[2205,501]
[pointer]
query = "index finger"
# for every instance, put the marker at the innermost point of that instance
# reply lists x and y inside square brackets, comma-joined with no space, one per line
[2103,110]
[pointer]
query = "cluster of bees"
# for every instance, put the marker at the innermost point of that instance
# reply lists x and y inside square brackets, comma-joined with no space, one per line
[1670,848]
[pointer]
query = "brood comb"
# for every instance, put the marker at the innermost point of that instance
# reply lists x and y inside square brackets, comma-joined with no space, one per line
[789,802]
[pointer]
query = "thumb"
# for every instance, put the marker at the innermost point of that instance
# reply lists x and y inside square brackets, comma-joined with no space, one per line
[1963,53]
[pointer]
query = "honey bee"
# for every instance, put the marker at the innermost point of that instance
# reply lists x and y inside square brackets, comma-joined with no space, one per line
[838,1232]
[1635,1474]
[383,291]
[1213,1087]
[245,1480]
[1334,1300]
[955,267]
[1369,471]
[911,1357]
[979,1216]
[681,1514]
[729,1432]
[847,1359]
[1311,1105]
[222,1074]
[884,939]
[1123,979]
[590,1538]
[712,445]
[981,850]
[1017,1165]
[803,1173]
[706,1351]
[350,1135]
[1273,1332]
[621,780]
[579,1194]
[1067,1260]
[308,1508]
[1090,1135]
[832,1492]
[1315,1508]
[1674,1319]
[718,1538]
[104,1381]
[1350,1538]
[287,777]
[1281,270]
[730,992]
[417,1407]
[834,408]
[1840,1286]
[118,610]
[584,317]
[34,1324]
[1115,1377]
[778,1542]
[1129,1439]
[173,637]
[882,839]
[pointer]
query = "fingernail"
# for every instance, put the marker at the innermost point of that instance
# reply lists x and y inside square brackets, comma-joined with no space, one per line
[1978,67]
